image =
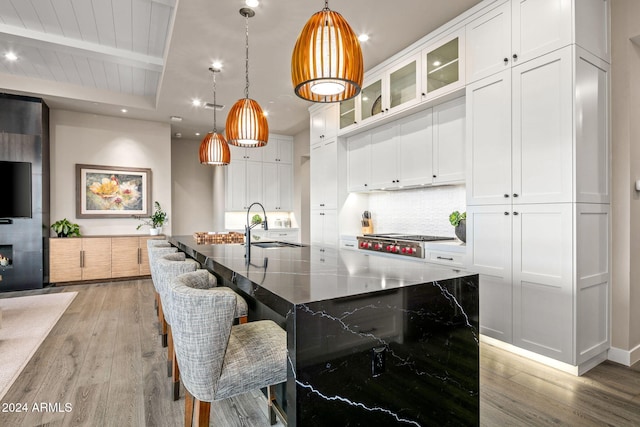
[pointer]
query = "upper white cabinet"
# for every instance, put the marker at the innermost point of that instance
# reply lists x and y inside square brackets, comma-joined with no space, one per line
[489,43]
[278,150]
[521,30]
[324,172]
[443,68]
[426,148]
[523,144]
[449,142]
[244,184]
[263,174]
[359,162]
[323,123]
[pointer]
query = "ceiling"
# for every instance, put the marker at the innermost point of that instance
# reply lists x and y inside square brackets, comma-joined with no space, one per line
[151,57]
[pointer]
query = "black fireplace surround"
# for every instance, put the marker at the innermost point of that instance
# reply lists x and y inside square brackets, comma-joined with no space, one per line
[24,241]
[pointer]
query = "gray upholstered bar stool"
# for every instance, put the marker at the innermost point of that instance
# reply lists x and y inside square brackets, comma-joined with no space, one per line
[156,243]
[156,253]
[217,359]
[170,266]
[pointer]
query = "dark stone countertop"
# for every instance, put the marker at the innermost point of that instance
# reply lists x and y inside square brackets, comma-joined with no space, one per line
[313,273]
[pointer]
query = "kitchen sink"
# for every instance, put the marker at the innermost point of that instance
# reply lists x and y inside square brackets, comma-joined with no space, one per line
[276,244]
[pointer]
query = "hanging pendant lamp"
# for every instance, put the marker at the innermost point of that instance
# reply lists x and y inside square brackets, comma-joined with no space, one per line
[246,123]
[214,149]
[327,65]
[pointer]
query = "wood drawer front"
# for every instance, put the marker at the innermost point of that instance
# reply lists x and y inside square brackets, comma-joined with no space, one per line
[445,258]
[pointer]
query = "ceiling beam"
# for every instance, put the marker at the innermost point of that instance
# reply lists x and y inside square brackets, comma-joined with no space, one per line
[80,47]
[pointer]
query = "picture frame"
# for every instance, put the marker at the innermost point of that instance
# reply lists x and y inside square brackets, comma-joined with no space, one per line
[112,191]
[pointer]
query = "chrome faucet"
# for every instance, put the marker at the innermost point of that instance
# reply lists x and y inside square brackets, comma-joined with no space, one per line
[249,226]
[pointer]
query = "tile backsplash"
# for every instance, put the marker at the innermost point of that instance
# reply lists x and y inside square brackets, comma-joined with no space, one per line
[419,211]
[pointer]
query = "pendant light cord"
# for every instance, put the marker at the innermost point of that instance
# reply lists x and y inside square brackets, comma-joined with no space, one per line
[246,89]
[215,104]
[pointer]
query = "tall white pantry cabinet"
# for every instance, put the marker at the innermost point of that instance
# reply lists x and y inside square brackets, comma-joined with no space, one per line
[538,166]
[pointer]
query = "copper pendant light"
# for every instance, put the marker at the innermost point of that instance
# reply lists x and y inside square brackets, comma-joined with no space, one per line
[214,149]
[246,123]
[327,65]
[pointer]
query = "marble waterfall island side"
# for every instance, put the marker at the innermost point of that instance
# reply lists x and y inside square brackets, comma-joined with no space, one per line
[372,340]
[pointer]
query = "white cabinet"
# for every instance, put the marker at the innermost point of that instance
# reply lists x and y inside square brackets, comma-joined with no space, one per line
[324,227]
[244,184]
[426,148]
[324,123]
[443,66]
[528,155]
[384,157]
[489,251]
[324,175]
[449,142]
[278,150]
[488,47]
[359,162]
[277,186]
[521,30]
[488,150]
[540,27]
[415,149]
[262,175]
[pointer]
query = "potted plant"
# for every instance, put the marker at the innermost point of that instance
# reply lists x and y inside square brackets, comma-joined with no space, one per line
[66,228]
[155,221]
[459,221]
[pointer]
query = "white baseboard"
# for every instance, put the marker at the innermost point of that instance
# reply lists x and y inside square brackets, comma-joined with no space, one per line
[624,357]
[561,366]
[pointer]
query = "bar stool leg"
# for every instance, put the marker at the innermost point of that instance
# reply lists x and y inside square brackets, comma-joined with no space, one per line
[242,319]
[188,409]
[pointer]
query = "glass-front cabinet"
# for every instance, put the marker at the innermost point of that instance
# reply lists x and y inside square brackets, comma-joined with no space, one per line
[371,103]
[443,68]
[348,113]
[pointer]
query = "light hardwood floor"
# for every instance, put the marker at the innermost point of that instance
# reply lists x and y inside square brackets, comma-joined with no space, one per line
[104,358]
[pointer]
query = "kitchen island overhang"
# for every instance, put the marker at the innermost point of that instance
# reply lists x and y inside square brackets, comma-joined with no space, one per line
[370,339]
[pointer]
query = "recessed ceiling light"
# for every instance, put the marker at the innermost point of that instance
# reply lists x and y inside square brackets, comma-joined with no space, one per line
[196,103]
[363,37]
[124,110]
[176,118]
[10,56]
[178,135]
[217,65]
[252,3]
[197,133]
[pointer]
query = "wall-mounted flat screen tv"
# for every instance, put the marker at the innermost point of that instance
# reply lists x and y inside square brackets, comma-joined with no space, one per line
[15,179]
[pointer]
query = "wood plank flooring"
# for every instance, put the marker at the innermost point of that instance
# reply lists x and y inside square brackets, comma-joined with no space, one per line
[105,359]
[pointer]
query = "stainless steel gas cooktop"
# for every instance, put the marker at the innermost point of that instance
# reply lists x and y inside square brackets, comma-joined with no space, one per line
[396,243]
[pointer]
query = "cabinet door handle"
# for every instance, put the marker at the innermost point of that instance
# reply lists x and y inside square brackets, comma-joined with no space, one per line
[515,213]
[139,256]
[506,213]
[81,259]
[321,213]
[506,196]
[424,94]
[349,245]
[434,176]
[366,185]
[506,61]
[515,195]
[515,56]
[444,258]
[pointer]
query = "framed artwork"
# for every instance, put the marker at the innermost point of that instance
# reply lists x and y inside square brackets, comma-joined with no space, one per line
[112,191]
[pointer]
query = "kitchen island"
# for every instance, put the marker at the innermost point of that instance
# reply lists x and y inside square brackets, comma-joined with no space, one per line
[371,340]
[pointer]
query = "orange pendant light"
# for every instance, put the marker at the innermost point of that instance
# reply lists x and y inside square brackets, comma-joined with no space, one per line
[246,123]
[214,149]
[327,65]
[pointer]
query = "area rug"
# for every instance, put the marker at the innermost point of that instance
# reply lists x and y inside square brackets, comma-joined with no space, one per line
[26,322]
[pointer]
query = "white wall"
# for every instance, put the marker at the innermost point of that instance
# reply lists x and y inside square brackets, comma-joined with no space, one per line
[191,189]
[625,201]
[79,138]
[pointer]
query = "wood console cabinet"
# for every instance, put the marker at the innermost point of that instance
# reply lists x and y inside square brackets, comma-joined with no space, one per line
[95,258]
